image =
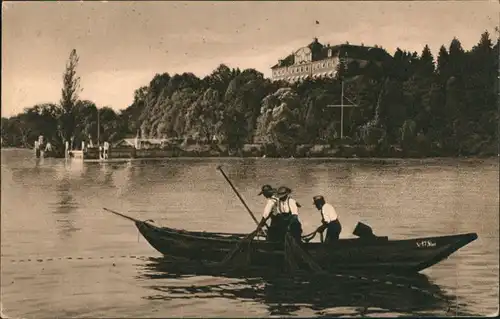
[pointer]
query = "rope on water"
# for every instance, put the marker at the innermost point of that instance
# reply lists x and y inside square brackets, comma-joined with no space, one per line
[291,249]
[390,280]
[47,259]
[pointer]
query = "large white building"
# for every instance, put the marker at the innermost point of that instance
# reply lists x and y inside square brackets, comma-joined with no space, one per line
[317,60]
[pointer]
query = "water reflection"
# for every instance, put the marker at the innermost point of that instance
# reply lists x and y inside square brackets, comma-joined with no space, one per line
[158,172]
[105,174]
[284,294]
[398,200]
[306,175]
[68,174]
[247,171]
[122,179]
[340,173]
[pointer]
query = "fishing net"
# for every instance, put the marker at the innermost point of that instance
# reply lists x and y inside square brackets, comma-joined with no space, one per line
[295,258]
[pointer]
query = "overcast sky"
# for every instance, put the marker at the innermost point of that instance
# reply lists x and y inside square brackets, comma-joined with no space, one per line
[123,44]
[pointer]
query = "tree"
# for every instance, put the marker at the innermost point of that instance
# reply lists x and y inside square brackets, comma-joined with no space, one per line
[408,102]
[456,59]
[220,78]
[426,65]
[69,99]
[442,62]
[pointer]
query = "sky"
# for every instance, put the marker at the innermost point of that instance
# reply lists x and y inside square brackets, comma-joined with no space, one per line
[122,45]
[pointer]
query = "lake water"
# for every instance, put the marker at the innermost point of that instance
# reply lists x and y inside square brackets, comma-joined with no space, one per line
[63,256]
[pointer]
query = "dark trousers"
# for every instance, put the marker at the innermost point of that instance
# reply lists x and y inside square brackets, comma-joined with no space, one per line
[333,230]
[273,233]
[281,224]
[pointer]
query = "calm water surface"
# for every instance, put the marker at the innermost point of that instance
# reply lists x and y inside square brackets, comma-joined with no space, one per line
[63,256]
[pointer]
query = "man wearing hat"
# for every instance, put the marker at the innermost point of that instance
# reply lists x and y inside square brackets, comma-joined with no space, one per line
[285,217]
[329,220]
[270,211]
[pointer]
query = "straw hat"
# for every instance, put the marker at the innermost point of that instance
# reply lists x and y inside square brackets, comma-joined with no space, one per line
[318,198]
[283,191]
[266,189]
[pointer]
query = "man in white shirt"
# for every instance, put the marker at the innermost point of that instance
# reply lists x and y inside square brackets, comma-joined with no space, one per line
[284,212]
[329,219]
[270,211]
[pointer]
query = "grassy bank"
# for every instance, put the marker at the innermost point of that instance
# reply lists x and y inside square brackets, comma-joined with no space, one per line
[321,151]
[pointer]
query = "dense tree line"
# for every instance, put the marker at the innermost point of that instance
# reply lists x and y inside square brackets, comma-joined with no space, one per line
[410,103]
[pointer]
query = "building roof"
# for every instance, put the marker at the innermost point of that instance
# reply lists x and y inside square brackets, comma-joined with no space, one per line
[289,60]
[131,141]
[357,52]
[320,52]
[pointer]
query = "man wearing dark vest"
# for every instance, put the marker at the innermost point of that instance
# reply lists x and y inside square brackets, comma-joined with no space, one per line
[285,215]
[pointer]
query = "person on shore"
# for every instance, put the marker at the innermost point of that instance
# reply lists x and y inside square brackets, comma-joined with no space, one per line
[329,220]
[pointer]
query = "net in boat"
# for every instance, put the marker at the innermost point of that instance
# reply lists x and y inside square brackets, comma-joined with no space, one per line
[294,254]
[295,258]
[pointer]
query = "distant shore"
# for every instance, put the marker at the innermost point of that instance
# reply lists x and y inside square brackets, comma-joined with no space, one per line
[197,152]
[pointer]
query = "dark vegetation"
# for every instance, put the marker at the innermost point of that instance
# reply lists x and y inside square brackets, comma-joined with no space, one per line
[407,107]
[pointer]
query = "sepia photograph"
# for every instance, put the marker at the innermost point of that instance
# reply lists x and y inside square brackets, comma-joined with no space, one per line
[250,159]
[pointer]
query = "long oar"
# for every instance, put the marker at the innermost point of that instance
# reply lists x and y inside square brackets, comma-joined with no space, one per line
[239,196]
[247,238]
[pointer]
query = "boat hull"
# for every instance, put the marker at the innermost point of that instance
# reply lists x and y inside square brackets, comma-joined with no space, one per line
[359,255]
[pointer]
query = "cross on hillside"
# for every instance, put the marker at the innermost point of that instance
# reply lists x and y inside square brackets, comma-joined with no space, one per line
[342,105]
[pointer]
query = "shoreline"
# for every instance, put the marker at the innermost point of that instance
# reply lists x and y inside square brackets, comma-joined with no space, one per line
[357,159]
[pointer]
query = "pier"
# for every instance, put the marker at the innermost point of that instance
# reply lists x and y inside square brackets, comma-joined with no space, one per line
[124,149]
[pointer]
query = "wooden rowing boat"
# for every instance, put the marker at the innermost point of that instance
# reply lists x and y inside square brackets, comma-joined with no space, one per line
[373,254]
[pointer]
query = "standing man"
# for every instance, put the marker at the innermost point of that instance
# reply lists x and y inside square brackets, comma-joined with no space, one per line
[284,213]
[329,220]
[288,213]
[289,209]
[270,211]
